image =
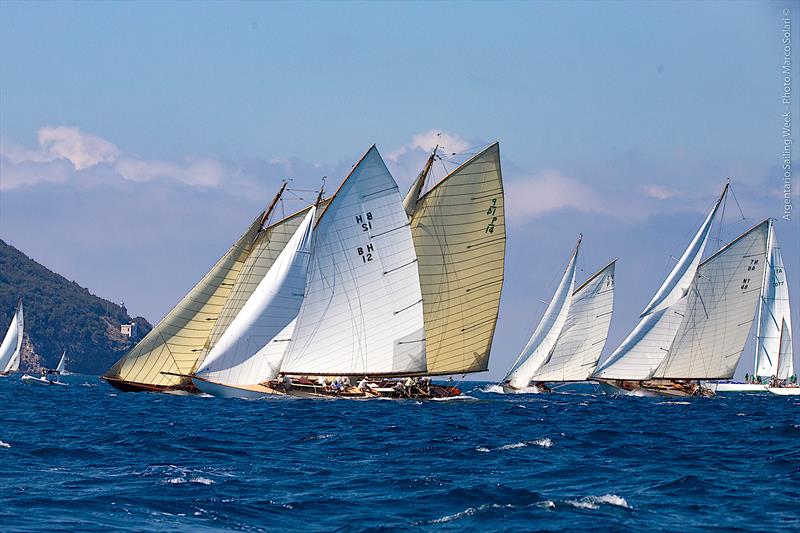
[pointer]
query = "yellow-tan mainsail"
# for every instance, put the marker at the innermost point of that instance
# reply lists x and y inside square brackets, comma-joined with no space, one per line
[175,347]
[459,236]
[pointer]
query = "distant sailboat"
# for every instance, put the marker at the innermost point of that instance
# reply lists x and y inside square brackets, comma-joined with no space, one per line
[10,349]
[714,316]
[569,339]
[773,347]
[43,379]
[61,368]
[166,357]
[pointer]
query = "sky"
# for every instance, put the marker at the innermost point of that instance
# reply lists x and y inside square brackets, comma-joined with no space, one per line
[138,139]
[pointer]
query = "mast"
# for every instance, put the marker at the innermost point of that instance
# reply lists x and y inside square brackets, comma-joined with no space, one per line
[410,201]
[762,300]
[268,212]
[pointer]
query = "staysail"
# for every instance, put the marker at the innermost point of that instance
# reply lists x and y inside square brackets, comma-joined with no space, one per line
[773,312]
[12,343]
[584,334]
[645,347]
[251,348]
[459,235]
[362,312]
[182,337]
[544,337]
[720,310]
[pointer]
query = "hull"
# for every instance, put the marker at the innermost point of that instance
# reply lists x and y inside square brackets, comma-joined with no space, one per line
[735,387]
[221,390]
[785,391]
[653,388]
[130,386]
[30,380]
[306,388]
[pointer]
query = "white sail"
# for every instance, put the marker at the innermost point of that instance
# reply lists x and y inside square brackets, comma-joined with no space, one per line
[362,312]
[645,347]
[240,356]
[62,363]
[720,310]
[547,332]
[785,363]
[583,337]
[773,311]
[12,343]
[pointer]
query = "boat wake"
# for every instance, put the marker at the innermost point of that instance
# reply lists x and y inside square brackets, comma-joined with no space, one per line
[451,398]
[543,443]
[498,389]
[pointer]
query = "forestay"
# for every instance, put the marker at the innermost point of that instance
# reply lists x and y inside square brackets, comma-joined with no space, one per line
[251,348]
[12,343]
[720,310]
[362,312]
[544,337]
[645,347]
[584,334]
[773,311]
[459,236]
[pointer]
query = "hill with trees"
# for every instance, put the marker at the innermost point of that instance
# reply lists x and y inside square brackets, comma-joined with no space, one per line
[61,315]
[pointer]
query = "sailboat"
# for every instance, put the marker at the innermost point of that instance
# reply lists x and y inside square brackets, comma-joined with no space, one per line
[43,379]
[569,339]
[422,274]
[10,349]
[772,360]
[171,352]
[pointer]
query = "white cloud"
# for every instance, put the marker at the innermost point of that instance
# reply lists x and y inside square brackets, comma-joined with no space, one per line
[81,149]
[426,141]
[659,192]
[546,192]
[201,172]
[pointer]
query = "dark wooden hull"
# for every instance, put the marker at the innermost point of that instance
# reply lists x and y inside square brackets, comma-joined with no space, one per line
[130,386]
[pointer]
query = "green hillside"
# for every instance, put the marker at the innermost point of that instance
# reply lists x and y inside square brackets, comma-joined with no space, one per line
[61,315]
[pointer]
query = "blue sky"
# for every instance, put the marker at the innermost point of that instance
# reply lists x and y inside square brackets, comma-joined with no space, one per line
[139,138]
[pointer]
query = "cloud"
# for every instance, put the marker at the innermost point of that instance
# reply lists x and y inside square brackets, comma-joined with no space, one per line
[81,149]
[202,172]
[659,192]
[426,141]
[546,192]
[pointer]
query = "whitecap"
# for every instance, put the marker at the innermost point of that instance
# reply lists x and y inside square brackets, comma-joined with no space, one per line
[202,480]
[547,504]
[450,398]
[674,403]
[740,414]
[493,389]
[176,480]
[482,449]
[594,502]
[4,444]
[543,442]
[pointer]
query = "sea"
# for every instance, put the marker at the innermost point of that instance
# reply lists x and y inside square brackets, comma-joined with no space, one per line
[87,457]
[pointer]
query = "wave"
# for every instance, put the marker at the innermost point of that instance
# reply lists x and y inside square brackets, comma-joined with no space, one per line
[543,443]
[4,444]
[594,502]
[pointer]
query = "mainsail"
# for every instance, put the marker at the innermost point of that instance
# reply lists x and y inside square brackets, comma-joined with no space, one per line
[362,311]
[459,235]
[774,318]
[645,347]
[62,363]
[720,309]
[252,347]
[584,334]
[171,350]
[544,338]
[12,343]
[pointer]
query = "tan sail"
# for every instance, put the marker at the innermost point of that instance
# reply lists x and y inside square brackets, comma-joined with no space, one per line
[459,235]
[178,342]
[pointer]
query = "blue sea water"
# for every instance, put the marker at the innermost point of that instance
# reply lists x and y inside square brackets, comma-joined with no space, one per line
[90,458]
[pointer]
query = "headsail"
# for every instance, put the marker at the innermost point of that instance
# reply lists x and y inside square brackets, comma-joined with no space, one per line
[251,348]
[180,339]
[720,310]
[459,236]
[773,311]
[10,349]
[785,363]
[645,347]
[584,334]
[62,363]
[362,312]
[544,338]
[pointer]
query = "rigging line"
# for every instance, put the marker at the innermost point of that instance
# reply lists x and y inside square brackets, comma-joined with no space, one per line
[298,197]
[737,202]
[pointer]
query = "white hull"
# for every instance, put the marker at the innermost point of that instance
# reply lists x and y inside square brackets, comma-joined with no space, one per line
[785,391]
[227,391]
[735,387]
[30,380]
[533,389]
